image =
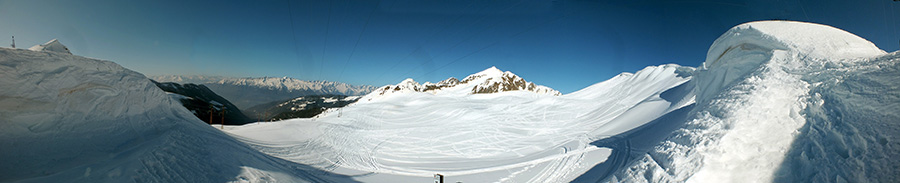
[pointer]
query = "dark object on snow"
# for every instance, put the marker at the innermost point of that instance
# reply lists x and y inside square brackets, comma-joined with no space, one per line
[199,100]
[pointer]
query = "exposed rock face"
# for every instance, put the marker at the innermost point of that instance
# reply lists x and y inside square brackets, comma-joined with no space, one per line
[509,82]
[449,82]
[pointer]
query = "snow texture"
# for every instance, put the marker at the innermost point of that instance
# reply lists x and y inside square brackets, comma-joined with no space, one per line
[511,136]
[68,118]
[775,101]
[785,102]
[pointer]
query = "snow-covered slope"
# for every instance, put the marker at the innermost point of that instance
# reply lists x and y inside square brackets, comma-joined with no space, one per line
[510,136]
[775,101]
[788,102]
[52,45]
[491,80]
[68,118]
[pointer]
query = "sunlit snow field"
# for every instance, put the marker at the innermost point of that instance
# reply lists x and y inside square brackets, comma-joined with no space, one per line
[775,101]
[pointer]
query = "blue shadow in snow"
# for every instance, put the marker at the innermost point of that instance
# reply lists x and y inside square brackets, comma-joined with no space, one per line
[631,145]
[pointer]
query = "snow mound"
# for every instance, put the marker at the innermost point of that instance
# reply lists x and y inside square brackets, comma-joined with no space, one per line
[746,47]
[773,104]
[52,45]
[68,118]
[491,80]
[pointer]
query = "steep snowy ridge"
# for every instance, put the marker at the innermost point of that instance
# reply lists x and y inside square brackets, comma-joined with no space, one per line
[491,80]
[761,97]
[68,118]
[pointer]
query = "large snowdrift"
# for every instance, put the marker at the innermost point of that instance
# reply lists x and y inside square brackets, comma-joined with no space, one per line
[784,101]
[512,136]
[68,118]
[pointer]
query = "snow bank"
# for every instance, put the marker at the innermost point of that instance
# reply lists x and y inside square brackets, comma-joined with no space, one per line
[68,118]
[756,100]
[746,47]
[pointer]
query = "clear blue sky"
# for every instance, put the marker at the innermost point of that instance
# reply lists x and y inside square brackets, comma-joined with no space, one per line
[564,44]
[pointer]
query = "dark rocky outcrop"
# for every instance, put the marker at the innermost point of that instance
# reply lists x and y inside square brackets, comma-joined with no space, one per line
[203,102]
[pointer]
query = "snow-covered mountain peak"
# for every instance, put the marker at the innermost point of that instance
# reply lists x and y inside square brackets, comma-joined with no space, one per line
[492,72]
[408,84]
[52,45]
[491,80]
[408,81]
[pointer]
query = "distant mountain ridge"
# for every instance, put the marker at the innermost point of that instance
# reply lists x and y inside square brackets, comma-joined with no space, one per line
[301,107]
[491,80]
[249,92]
[275,83]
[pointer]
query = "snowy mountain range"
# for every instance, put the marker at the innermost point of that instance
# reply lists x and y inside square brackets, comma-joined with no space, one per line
[249,92]
[300,107]
[774,101]
[491,80]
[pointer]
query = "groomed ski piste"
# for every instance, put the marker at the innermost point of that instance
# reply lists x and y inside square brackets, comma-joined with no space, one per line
[775,101]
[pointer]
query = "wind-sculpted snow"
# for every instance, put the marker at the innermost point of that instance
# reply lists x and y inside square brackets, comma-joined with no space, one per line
[512,136]
[788,102]
[67,118]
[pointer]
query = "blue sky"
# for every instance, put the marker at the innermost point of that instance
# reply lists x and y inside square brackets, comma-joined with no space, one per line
[563,44]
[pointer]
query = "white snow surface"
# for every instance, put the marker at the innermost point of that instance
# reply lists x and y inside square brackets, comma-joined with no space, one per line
[52,45]
[773,105]
[68,118]
[513,136]
[775,101]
